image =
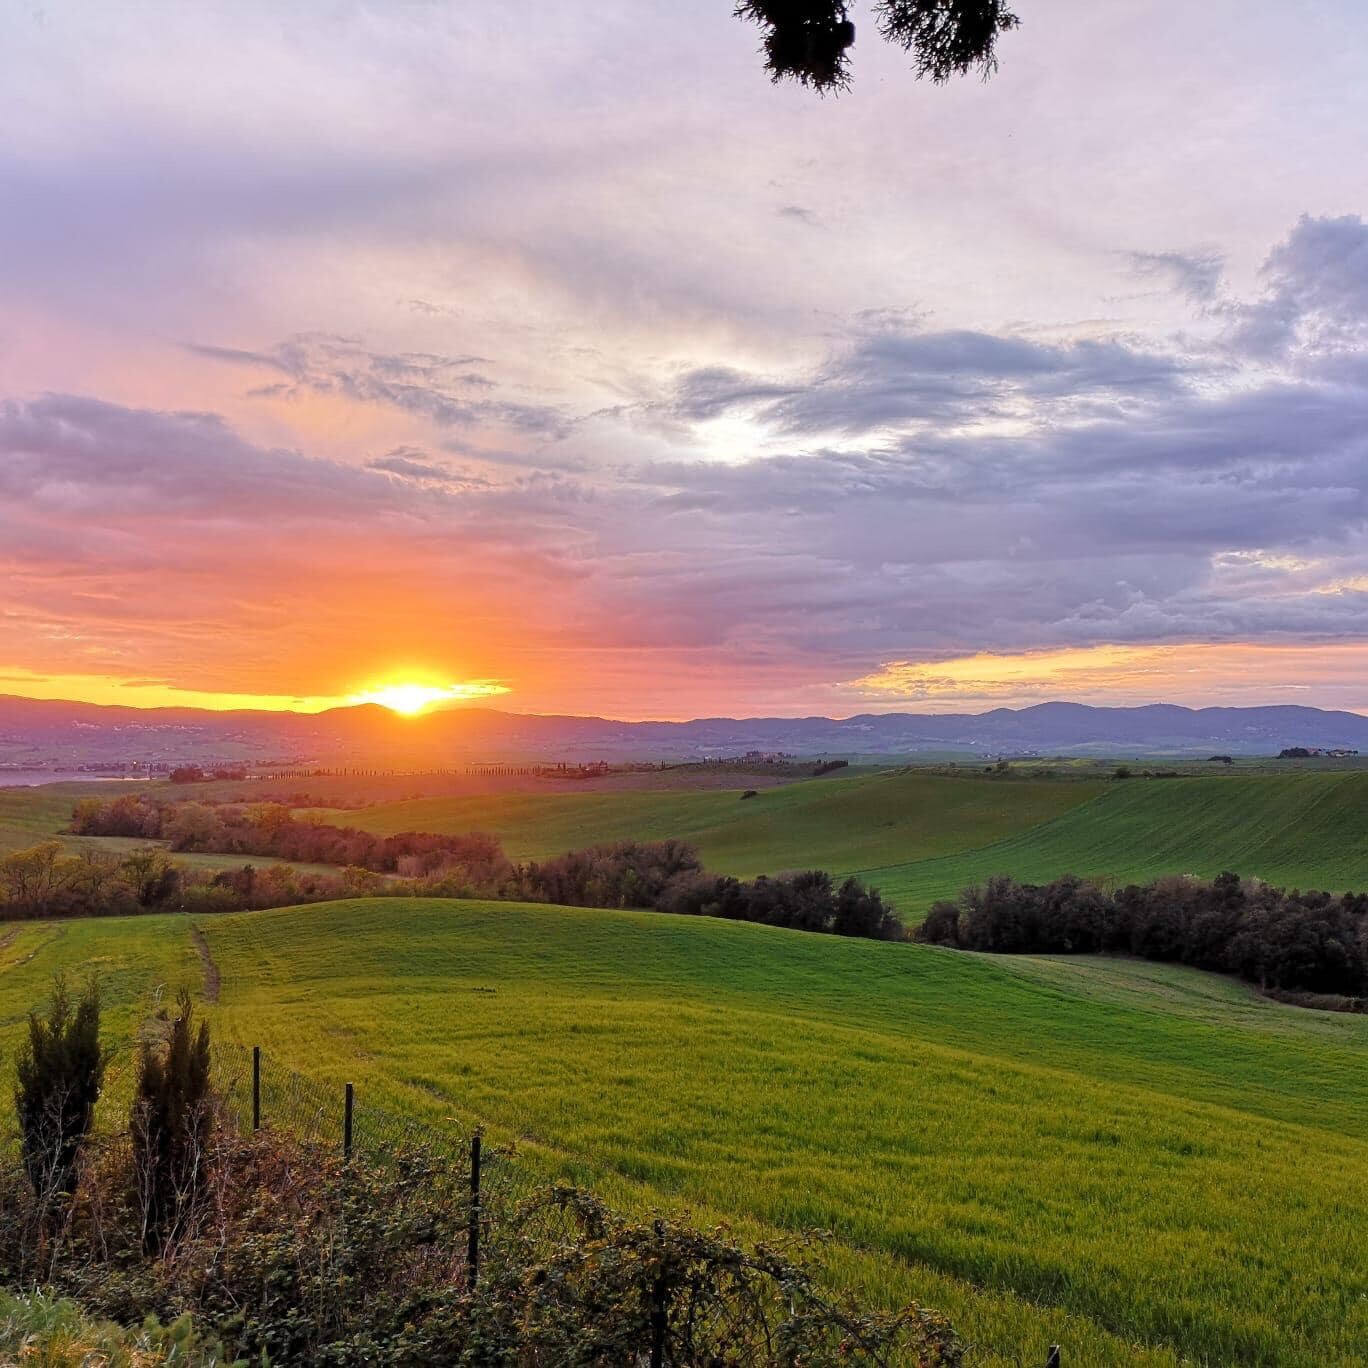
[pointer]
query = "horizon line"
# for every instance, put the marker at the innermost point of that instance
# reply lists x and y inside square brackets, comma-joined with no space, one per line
[474,705]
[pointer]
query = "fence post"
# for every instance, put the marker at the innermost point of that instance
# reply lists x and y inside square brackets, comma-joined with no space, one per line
[473,1235]
[658,1309]
[347,1122]
[256,1087]
[1052,1359]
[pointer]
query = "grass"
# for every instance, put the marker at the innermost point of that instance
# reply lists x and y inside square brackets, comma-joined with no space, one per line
[31,815]
[1309,830]
[1146,1164]
[838,824]
[42,1332]
[916,835]
[920,836]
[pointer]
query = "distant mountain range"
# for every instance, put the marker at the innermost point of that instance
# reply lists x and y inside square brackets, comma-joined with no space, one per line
[43,733]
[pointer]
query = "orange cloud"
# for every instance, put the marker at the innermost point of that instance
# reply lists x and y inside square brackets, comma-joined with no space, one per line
[1198,674]
[400,695]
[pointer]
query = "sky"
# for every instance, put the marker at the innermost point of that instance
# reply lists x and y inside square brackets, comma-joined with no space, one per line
[551,356]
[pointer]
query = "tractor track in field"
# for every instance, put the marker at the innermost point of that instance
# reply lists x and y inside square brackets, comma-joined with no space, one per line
[213,980]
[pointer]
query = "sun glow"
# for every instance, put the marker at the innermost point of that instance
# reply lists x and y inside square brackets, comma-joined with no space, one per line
[410,699]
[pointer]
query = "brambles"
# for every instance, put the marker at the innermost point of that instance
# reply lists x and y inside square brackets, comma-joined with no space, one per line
[298,1255]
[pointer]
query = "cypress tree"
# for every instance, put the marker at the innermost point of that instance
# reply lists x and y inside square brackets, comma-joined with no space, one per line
[59,1072]
[171,1123]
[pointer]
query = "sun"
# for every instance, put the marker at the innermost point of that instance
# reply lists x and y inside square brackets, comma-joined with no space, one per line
[406,698]
[410,699]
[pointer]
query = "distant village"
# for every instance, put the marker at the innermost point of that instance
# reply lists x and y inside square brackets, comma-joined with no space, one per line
[1307,752]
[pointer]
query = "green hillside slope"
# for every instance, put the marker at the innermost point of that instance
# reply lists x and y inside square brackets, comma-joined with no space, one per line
[838,824]
[1309,830]
[1140,1162]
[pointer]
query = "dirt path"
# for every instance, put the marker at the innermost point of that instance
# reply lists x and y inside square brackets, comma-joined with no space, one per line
[212,981]
[57,933]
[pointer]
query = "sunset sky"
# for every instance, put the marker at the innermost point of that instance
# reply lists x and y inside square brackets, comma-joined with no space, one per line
[549,355]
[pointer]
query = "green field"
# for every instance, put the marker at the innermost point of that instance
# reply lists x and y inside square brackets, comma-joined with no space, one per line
[833,823]
[915,834]
[1306,830]
[1146,1164]
[921,836]
[31,815]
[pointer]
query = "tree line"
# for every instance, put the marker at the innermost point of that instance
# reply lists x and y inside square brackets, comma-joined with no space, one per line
[663,876]
[271,830]
[1286,942]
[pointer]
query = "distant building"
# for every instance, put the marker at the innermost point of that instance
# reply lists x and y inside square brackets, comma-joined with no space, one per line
[1306,752]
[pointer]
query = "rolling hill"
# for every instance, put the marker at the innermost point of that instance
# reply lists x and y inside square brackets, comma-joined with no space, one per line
[1146,1164]
[919,836]
[834,823]
[1306,830]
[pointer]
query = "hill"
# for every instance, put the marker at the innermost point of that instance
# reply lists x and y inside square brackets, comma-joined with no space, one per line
[54,734]
[833,823]
[1139,1162]
[1300,830]
[915,834]
[919,836]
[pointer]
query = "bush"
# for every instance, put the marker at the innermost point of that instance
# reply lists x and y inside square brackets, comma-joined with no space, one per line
[60,1069]
[170,1125]
[307,1259]
[610,1289]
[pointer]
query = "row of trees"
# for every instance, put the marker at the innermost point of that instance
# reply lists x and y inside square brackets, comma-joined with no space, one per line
[272,831]
[665,876]
[48,881]
[1289,941]
[668,876]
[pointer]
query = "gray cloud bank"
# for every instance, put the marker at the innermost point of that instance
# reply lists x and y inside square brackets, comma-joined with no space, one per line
[930,492]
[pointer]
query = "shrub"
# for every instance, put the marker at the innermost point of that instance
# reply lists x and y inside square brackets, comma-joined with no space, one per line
[306,1259]
[605,1292]
[59,1071]
[170,1124]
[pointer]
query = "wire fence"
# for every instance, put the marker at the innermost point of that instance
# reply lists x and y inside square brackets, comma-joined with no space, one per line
[493,1189]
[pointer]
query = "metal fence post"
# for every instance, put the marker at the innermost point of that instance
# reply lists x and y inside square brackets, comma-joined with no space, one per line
[473,1235]
[1052,1359]
[658,1307]
[347,1122]
[256,1087]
